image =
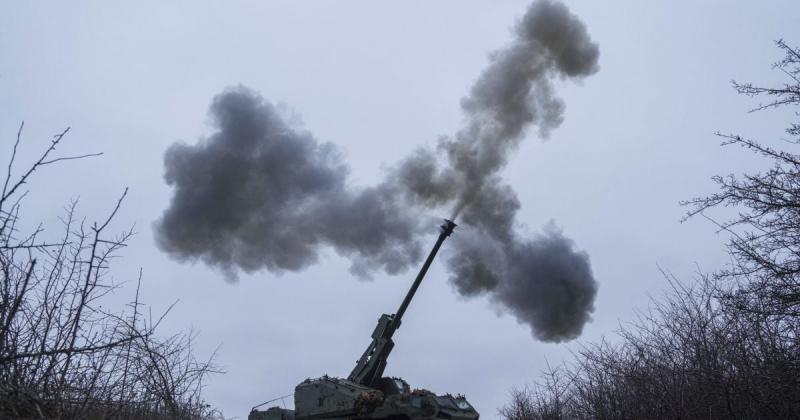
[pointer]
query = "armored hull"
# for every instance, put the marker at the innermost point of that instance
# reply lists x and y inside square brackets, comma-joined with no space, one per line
[334,398]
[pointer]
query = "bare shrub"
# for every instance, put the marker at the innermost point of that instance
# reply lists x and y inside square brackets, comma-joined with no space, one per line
[62,353]
[686,357]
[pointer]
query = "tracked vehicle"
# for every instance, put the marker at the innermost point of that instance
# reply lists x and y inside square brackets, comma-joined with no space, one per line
[366,393]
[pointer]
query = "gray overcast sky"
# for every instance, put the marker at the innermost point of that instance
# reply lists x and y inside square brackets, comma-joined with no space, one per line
[380,79]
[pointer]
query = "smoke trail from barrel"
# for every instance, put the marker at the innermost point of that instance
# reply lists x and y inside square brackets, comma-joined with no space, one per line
[513,94]
[261,194]
[543,281]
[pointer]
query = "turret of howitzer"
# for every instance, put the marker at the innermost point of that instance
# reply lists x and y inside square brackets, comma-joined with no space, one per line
[366,393]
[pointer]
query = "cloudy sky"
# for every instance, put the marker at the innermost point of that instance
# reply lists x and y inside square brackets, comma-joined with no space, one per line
[380,80]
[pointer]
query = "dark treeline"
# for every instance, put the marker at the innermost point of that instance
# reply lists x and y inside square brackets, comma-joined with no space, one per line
[63,352]
[724,346]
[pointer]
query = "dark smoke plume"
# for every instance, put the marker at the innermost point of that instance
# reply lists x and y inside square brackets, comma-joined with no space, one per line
[261,194]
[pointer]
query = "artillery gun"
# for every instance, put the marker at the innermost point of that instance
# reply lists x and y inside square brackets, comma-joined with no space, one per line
[366,393]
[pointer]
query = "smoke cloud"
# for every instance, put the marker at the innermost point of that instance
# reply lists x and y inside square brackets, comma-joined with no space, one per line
[261,194]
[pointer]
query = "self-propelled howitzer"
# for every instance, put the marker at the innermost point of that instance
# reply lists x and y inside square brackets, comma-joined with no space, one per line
[366,393]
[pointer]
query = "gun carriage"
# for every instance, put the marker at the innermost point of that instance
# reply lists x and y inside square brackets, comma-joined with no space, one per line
[366,393]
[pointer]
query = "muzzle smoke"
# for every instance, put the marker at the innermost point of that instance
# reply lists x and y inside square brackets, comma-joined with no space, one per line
[260,193]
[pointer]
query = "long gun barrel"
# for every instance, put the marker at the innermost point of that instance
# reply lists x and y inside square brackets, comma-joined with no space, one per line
[447,229]
[369,368]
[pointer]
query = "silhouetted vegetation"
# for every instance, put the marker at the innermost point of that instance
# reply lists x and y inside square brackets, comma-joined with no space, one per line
[725,346]
[63,352]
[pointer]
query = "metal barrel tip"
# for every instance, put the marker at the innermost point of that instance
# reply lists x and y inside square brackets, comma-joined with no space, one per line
[447,227]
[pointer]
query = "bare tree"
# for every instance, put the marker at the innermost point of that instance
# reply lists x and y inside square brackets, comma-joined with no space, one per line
[62,354]
[765,236]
